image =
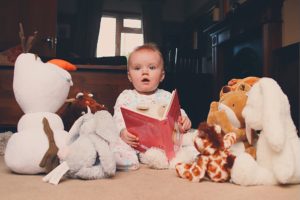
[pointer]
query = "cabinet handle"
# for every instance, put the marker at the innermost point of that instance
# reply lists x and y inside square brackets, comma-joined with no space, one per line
[51,41]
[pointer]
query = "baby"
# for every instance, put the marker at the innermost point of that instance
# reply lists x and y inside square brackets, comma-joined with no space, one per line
[145,72]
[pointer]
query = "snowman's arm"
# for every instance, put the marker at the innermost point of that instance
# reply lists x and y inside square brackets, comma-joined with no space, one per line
[50,159]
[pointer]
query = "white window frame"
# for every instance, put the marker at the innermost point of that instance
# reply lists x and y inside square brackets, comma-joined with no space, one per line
[120,27]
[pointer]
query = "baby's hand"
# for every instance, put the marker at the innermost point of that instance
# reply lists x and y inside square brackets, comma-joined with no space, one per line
[184,124]
[129,138]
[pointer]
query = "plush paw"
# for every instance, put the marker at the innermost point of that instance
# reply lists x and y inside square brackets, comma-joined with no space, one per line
[192,172]
[142,158]
[125,156]
[246,171]
[155,158]
[242,168]
[126,161]
[188,138]
[183,171]
[184,155]
[283,168]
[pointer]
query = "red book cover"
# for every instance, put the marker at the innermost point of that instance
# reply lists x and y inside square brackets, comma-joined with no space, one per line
[153,131]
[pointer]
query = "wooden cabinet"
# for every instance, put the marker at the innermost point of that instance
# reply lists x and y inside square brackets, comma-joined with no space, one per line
[34,15]
[258,34]
[105,82]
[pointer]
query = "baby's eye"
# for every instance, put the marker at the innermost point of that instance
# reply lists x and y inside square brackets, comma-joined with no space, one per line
[136,68]
[152,67]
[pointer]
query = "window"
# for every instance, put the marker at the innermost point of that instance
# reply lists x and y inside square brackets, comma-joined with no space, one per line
[119,35]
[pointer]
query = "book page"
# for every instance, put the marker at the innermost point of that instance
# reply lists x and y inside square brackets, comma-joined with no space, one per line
[173,106]
[154,110]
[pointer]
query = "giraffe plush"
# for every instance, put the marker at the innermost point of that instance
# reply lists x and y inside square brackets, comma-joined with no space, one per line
[214,160]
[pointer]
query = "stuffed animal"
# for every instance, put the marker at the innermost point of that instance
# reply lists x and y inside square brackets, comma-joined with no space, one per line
[75,107]
[40,90]
[88,154]
[9,56]
[125,156]
[227,113]
[278,146]
[234,84]
[214,159]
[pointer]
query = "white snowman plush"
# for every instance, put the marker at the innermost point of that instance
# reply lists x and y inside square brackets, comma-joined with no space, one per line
[40,90]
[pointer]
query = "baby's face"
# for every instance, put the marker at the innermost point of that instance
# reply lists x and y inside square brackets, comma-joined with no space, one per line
[145,71]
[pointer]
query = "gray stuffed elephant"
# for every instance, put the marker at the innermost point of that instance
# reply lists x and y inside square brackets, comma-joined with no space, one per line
[88,154]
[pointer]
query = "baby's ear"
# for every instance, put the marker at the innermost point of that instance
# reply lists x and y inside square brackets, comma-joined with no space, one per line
[128,76]
[162,76]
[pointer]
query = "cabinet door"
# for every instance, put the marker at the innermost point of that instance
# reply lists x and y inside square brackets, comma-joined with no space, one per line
[35,15]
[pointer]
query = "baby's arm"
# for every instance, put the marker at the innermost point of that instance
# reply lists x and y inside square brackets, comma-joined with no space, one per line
[129,138]
[118,118]
[184,122]
[126,136]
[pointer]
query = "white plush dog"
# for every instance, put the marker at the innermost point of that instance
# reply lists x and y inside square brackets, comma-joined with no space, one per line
[88,153]
[278,146]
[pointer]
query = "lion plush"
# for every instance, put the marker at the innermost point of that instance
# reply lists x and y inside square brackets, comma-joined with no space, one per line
[239,84]
[227,113]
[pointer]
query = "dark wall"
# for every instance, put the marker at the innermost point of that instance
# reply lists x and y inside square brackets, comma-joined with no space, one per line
[286,73]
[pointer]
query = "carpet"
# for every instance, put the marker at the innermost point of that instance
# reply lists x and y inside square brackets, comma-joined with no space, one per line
[142,184]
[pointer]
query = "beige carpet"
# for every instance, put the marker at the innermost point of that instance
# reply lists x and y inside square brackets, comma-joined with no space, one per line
[142,184]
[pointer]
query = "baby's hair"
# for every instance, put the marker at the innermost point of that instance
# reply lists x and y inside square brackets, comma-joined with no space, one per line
[147,46]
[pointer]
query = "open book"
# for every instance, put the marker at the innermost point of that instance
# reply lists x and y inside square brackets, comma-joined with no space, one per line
[155,131]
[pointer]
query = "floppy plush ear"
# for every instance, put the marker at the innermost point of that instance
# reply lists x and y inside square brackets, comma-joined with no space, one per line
[252,112]
[274,104]
[249,134]
[106,127]
[74,131]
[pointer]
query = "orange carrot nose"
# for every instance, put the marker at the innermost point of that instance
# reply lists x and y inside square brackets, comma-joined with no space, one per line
[63,64]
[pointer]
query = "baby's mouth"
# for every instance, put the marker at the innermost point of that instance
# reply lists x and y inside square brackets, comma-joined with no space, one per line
[145,80]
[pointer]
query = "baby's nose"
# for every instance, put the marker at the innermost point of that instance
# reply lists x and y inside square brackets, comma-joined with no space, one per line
[145,70]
